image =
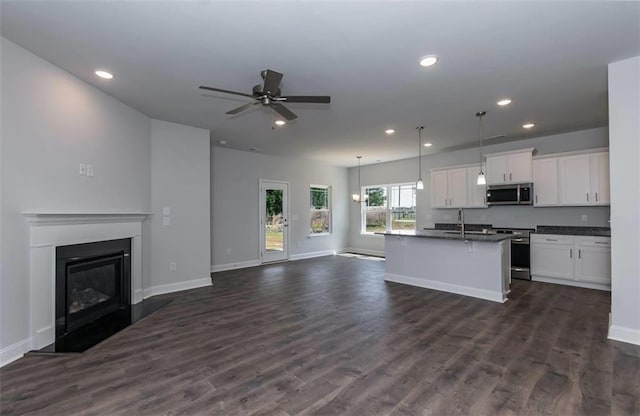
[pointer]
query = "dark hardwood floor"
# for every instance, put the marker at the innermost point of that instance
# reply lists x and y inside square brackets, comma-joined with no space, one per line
[328,336]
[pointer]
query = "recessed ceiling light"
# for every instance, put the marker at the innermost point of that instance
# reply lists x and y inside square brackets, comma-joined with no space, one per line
[280,122]
[389,131]
[428,144]
[528,125]
[504,101]
[104,74]
[428,60]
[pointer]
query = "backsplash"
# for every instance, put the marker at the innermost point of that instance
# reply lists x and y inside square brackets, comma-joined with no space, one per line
[523,216]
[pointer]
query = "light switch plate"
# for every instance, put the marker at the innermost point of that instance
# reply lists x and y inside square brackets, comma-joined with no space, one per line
[166,211]
[583,217]
[89,170]
[83,169]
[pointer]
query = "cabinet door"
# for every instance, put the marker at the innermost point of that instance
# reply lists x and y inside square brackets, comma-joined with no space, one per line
[600,178]
[496,170]
[476,194]
[593,265]
[457,182]
[545,182]
[439,196]
[552,260]
[573,172]
[519,168]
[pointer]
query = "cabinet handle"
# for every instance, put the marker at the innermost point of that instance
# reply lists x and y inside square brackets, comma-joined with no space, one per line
[509,176]
[504,177]
[596,197]
[587,196]
[601,242]
[536,198]
[579,253]
[570,253]
[550,239]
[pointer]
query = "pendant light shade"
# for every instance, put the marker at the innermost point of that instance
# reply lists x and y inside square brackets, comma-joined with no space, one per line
[358,197]
[482,180]
[419,183]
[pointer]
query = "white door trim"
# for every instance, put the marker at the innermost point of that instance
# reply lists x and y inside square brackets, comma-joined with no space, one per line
[270,258]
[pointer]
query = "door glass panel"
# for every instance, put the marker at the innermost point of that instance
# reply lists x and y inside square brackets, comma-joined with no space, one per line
[274,222]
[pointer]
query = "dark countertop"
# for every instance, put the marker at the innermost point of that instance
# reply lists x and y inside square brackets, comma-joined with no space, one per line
[450,235]
[570,230]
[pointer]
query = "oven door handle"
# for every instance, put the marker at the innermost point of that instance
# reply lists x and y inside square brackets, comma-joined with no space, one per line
[520,241]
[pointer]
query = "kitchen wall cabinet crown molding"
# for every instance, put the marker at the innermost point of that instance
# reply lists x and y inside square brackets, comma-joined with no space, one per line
[576,260]
[572,153]
[510,167]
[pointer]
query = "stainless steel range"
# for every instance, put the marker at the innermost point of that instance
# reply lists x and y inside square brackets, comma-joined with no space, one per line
[520,253]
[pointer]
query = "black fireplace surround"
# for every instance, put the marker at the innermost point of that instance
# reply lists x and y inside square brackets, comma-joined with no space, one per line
[92,281]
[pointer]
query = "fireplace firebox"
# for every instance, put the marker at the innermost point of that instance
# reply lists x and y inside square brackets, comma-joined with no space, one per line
[92,281]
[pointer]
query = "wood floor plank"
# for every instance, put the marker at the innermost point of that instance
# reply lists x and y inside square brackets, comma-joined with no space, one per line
[330,336]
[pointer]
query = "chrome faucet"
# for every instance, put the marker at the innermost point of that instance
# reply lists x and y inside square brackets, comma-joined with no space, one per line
[461,220]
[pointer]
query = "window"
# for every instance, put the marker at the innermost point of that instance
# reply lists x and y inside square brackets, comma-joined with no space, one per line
[389,208]
[320,209]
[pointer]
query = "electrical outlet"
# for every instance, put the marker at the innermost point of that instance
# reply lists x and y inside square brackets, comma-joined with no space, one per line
[166,220]
[83,169]
[166,211]
[173,266]
[89,169]
[583,217]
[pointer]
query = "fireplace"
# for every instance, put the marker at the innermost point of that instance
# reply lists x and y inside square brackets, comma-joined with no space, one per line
[93,280]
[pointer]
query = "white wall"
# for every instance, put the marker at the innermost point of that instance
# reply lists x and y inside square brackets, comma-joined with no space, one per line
[234,205]
[51,122]
[624,133]
[505,216]
[180,181]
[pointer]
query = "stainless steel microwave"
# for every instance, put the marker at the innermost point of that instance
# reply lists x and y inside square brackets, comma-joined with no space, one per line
[514,194]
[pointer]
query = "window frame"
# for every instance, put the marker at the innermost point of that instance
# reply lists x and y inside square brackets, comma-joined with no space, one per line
[387,206]
[329,210]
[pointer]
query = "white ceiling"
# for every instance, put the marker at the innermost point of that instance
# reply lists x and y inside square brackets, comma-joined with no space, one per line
[549,57]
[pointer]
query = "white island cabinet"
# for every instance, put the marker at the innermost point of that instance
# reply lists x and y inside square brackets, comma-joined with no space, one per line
[476,265]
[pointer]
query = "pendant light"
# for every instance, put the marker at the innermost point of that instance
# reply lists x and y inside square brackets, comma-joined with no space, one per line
[482,180]
[419,183]
[358,197]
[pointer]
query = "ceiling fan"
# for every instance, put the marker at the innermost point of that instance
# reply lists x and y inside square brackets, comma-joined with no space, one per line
[268,94]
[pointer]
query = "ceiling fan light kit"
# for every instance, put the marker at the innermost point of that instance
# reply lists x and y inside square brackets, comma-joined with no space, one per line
[269,95]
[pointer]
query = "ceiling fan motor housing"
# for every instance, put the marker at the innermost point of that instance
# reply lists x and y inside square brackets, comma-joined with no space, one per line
[258,91]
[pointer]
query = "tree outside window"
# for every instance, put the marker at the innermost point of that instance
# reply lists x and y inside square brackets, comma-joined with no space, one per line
[320,212]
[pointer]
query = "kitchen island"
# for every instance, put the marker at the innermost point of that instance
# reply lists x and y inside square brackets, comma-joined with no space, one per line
[476,264]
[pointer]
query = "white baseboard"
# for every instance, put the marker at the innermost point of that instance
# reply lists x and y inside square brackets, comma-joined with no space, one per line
[312,254]
[14,351]
[621,333]
[447,287]
[177,287]
[364,251]
[571,283]
[232,266]
[43,337]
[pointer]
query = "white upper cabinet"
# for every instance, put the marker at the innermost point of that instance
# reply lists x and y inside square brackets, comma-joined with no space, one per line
[449,188]
[457,184]
[599,164]
[545,182]
[509,167]
[439,189]
[476,194]
[584,179]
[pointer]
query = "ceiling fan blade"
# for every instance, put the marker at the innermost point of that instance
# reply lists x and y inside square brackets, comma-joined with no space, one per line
[306,99]
[271,81]
[284,111]
[242,108]
[203,87]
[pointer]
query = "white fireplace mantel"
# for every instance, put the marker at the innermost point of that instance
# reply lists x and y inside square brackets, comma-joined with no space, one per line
[49,230]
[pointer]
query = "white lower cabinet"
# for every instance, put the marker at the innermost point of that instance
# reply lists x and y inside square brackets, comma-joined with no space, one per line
[574,260]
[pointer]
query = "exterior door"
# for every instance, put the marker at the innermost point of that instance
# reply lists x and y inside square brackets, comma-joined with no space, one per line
[274,244]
